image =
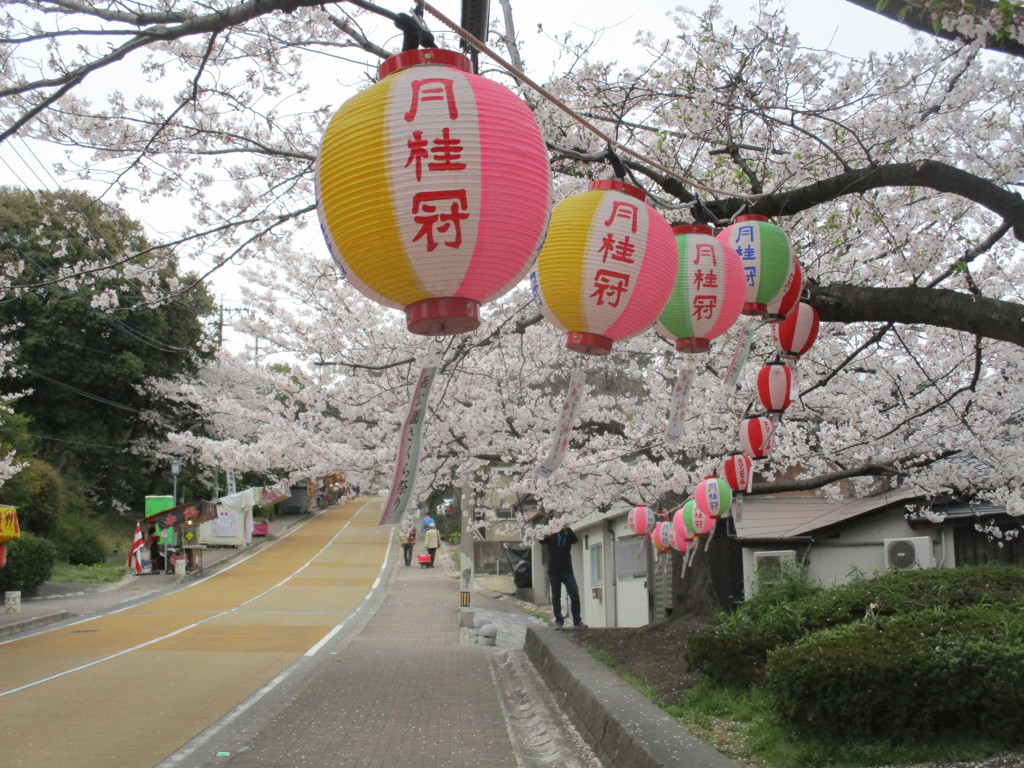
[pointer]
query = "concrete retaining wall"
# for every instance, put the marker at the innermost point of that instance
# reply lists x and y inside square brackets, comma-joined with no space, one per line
[623,727]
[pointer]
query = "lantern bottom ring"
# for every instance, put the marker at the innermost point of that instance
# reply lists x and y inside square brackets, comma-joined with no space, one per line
[588,343]
[755,308]
[693,345]
[445,316]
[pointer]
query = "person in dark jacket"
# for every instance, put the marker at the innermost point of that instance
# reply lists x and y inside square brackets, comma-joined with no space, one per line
[559,547]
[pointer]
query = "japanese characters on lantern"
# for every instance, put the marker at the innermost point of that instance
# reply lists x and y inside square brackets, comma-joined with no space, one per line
[433,190]
[795,335]
[606,268]
[709,290]
[757,436]
[767,259]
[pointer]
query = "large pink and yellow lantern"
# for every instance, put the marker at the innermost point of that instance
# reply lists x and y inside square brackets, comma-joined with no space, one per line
[709,290]
[433,190]
[607,266]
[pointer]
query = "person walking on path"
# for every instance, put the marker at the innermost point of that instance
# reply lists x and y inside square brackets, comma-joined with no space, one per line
[407,537]
[427,522]
[432,541]
[559,547]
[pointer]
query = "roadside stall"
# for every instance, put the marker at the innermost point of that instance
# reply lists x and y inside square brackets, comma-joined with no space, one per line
[231,524]
[179,526]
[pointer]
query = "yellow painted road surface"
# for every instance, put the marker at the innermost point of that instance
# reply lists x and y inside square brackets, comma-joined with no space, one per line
[126,690]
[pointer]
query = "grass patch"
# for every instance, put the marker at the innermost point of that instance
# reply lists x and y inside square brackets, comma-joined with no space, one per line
[741,724]
[102,573]
[606,658]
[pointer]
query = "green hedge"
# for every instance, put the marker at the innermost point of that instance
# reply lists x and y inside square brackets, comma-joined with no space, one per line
[736,650]
[30,562]
[906,678]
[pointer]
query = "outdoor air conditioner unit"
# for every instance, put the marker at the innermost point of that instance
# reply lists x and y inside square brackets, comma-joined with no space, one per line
[908,554]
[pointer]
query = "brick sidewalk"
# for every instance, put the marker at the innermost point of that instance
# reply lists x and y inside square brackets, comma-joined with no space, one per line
[403,692]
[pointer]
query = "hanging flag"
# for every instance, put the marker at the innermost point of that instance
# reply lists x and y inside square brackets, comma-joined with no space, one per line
[135,553]
[408,459]
[680,398]
[577,386]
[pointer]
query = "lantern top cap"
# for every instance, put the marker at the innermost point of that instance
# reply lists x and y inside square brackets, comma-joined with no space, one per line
[618,186]
[750,217]
[420,56]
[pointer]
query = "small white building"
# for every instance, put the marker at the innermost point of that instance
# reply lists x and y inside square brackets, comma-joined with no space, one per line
[623,583]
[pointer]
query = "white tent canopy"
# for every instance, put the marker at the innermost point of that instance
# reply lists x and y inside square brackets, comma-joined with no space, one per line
[233,525]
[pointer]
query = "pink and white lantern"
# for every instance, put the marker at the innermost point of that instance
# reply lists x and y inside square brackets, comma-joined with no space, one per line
[663,537]
[641,521]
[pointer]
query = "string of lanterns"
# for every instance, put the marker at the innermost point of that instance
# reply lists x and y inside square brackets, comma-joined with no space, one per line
[434,195]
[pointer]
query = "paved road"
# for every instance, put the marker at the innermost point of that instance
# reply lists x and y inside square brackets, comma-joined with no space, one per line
[129,688]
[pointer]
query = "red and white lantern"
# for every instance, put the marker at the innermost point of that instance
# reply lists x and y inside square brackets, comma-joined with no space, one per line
[641,521]
[795,335]
[738,471]
[786,301]
[757,436]
[607,266]
[433,190]
[774,386]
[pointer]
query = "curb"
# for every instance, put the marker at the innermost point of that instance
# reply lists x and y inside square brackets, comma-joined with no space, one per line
[622,726]
[35,623]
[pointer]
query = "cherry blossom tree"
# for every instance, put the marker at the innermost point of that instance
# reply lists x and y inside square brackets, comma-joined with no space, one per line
[896,176]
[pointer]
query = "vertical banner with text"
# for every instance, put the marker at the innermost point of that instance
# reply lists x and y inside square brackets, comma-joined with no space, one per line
[408,458]
[577,386]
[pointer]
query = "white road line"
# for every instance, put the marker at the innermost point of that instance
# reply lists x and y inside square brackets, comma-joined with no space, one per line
[148,643]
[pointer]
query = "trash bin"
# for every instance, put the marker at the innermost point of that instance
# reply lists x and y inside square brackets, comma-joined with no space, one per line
[180,563]
[520,562]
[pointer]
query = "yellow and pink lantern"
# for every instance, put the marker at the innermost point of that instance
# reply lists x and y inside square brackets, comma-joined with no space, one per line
[663,537]
[767,259]
[433,190]
[607,266]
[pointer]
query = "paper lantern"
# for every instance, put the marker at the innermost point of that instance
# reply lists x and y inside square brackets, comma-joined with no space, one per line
[709,290]
[433,190]
[738,470]
[789,297]
[756,436]
[692,522]
[607,266]
[663,537]
[3,555]
[767,260]
[641,521]
[713,497]
[796,334]
[774,384]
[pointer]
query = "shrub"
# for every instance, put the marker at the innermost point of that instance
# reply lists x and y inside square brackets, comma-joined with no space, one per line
[30,562]
[734,652]
[906,678]
[783,611]
[78,540]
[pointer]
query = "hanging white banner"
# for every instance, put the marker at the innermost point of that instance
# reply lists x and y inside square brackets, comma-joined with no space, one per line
[739,357]
[408,458]
[577,386]
[680,399]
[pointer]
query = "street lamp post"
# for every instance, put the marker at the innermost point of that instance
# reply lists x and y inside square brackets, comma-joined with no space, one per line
[175,469]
